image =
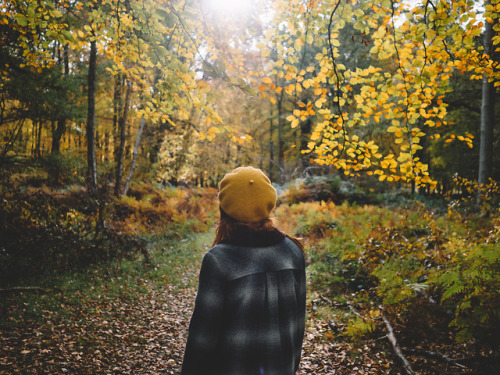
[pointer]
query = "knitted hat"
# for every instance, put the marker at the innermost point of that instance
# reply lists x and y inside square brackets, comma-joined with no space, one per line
[246,194]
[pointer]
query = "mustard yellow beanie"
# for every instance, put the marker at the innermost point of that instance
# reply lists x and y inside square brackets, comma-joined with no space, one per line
[246,194]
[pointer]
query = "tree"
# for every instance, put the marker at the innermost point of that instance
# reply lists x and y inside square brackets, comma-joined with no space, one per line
[90,130]
[59,126]
[418,47]
[28,29]
[122,126]
[487,109]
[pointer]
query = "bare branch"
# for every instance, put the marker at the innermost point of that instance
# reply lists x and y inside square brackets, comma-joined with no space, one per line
[396,347]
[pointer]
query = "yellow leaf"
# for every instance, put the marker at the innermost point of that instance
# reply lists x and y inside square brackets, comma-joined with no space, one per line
[403,157]
[267,80]
[319,103]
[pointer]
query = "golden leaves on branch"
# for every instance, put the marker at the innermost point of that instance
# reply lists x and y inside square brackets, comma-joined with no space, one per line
[417,48]
[37,24]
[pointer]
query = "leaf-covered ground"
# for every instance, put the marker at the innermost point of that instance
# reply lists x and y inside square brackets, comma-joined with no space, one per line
[114,324]
[139,336]
[121,322]
[145,335]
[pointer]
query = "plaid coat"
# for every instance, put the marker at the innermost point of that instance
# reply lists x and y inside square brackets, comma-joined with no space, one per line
[249,313]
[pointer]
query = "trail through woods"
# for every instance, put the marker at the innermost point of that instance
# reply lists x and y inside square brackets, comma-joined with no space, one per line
[145,333]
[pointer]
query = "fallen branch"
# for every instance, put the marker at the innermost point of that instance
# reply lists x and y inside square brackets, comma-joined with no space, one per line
[396,347]
[314,304]
[434,355]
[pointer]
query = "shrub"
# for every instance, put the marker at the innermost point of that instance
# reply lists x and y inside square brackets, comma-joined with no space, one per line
[45,230]
[470,285]
[41,233]
[329,188]
[172,211]
[418,264]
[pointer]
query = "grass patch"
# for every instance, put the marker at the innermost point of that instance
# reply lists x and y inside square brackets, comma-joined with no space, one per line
[171,262]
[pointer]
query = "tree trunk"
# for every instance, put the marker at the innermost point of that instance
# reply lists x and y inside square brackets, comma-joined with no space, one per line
[117,105]
[487,115]
[60,128]
[38,149]
[486,136]
[57,133]
[181,156]
[134,157]
[305,131]
[16,133]
[280,138]
[120,156]
[91,152]
[271,146]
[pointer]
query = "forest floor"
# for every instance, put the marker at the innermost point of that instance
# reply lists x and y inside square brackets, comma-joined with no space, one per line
[132,318]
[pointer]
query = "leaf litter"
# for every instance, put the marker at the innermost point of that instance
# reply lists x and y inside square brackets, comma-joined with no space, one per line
[145,332]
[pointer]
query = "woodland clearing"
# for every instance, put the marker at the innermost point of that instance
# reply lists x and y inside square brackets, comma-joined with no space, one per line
[116,282]
[131,318]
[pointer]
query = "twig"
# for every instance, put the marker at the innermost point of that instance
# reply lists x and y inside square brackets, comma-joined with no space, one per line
[348,304]
[434,355]
[396,347]
[335,71]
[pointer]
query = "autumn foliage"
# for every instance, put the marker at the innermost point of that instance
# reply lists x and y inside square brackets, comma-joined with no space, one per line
[362,112]
[45,231]
[433,271]
[410,55]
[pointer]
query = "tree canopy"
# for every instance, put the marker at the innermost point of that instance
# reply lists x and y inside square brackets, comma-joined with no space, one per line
[370,87]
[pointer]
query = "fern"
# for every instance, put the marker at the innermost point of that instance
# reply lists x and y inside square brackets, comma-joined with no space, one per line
[472,287]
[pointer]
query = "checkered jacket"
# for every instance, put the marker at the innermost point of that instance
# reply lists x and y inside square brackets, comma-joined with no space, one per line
[249,313]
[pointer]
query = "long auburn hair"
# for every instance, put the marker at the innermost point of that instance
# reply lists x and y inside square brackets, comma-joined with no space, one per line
[228,225]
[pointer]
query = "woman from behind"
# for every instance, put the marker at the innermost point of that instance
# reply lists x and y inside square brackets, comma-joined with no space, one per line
[249,313]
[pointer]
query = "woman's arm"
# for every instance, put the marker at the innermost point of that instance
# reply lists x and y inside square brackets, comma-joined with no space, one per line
[206,323]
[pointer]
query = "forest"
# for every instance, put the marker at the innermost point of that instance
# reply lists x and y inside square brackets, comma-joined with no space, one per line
[376,120]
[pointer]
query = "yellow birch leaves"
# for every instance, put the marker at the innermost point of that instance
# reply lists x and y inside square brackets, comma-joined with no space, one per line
[373,119]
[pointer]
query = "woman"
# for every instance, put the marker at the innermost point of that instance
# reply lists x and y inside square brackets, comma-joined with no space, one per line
[249,313]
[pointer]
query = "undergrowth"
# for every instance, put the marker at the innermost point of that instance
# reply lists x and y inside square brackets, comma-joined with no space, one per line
[435,273]
[45,231]
[170,264]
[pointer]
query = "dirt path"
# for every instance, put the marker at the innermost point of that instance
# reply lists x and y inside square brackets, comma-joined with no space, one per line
[140,336]
[141,329]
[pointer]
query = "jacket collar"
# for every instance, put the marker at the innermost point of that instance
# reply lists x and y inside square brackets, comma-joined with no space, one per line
[243,236]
